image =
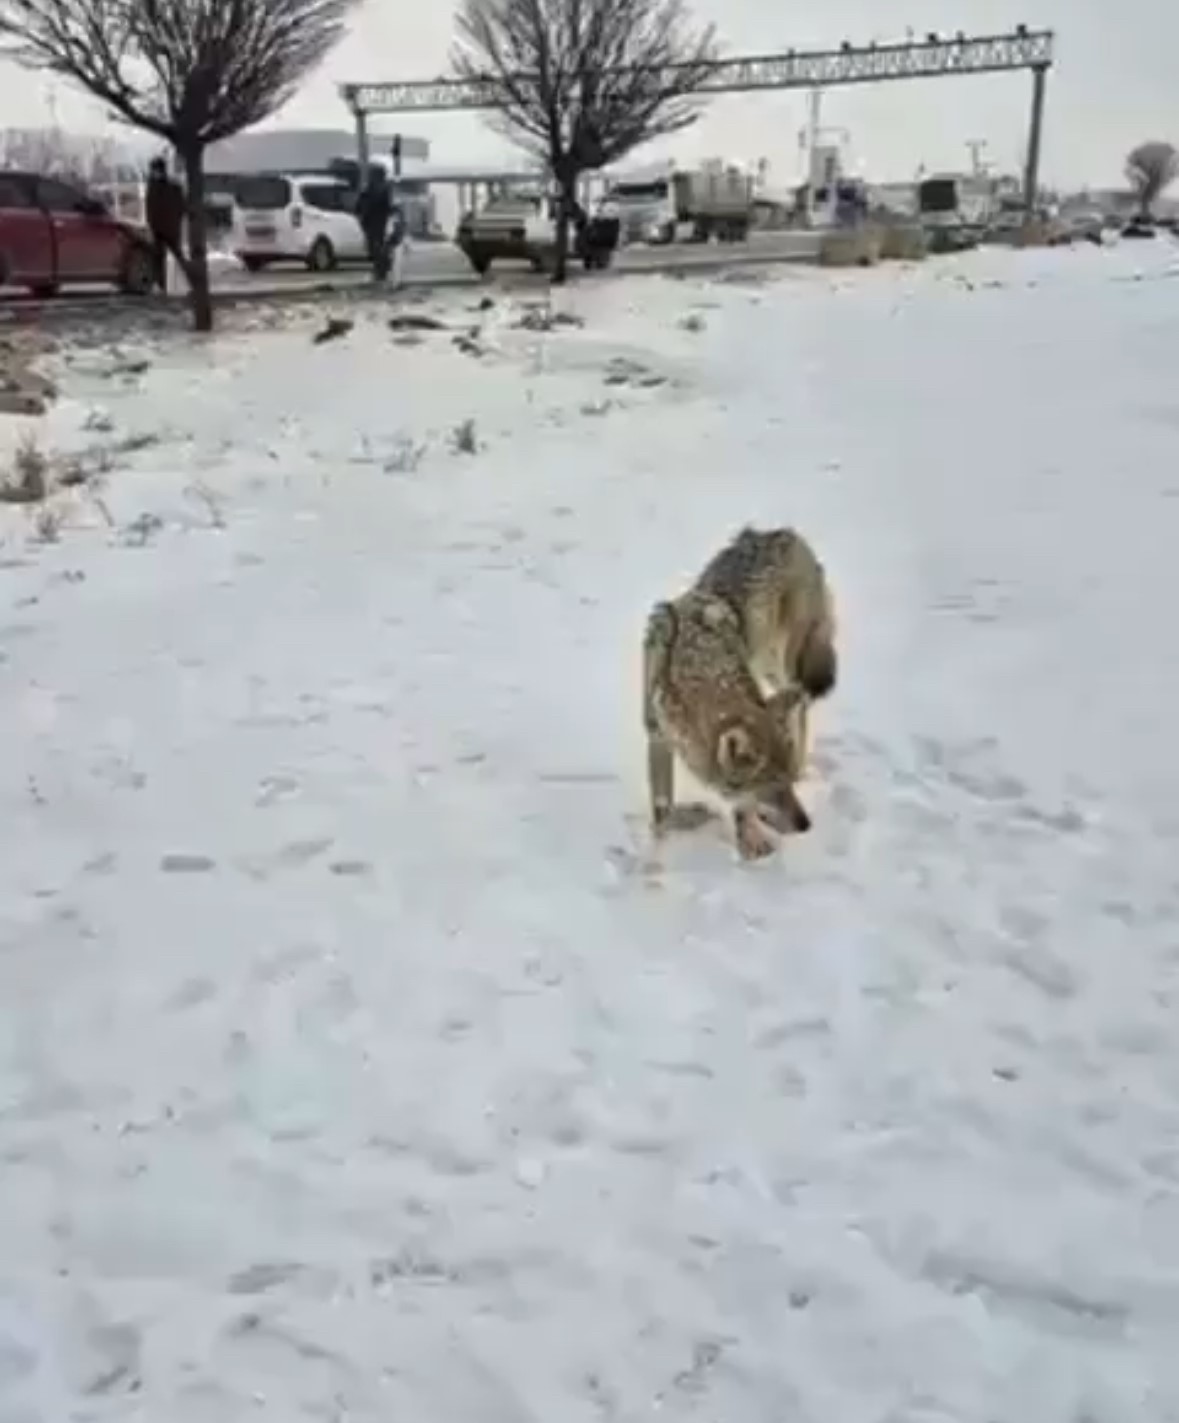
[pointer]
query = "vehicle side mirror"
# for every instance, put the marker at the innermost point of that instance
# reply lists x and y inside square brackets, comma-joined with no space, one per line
[92,207]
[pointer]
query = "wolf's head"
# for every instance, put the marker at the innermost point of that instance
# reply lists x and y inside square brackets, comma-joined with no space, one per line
[758,759]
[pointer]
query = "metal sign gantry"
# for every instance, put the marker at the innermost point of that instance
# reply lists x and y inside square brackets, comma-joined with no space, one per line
[931,58]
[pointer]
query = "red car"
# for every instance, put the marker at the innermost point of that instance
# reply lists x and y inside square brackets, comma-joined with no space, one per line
[53,233]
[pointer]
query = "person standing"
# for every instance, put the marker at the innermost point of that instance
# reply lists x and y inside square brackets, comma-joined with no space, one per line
[164,204]
[374,208]
[396,244]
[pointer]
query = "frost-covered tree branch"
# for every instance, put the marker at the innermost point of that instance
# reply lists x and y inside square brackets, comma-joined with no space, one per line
[188,71]
[581,83]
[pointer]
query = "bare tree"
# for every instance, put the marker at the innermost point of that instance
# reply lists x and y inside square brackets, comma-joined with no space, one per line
[41,150]
[79,158]
[188,71]
[580,83]
[1151,168]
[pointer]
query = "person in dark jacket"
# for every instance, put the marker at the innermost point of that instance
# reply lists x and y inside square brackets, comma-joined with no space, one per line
[164,203]
[374,208]
[395,243]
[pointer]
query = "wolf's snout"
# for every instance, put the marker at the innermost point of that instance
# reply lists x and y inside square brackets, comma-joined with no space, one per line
[786,813]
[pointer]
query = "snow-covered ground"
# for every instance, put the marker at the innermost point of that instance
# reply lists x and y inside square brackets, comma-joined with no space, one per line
[360,1059]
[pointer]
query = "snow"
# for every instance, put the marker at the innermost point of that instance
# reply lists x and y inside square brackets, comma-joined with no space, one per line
[359,1056]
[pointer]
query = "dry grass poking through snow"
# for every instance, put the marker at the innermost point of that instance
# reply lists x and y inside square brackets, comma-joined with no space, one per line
[27,479]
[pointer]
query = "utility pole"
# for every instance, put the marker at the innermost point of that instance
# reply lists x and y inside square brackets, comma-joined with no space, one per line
[1031,172]
[814,128]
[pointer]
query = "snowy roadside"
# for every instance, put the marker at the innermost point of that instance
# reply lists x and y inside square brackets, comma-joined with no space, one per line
[359,1059]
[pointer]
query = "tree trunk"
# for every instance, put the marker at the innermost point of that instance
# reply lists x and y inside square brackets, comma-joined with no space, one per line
[566,206]
[200,296]
[561,255]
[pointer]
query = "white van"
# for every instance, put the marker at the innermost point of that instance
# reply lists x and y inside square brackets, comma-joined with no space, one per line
[288,217]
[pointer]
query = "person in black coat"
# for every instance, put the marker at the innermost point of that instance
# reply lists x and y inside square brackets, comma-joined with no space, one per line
[164,203]
[374,208]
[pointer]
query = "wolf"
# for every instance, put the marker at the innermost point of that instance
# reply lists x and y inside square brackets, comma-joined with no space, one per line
[701,703]
[729,670]
[774,582]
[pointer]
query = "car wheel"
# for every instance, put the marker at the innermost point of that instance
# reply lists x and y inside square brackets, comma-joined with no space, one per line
[253,264]
[138,275]
[322,257]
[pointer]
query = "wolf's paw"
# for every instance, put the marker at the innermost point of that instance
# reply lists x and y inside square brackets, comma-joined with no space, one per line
[691,816]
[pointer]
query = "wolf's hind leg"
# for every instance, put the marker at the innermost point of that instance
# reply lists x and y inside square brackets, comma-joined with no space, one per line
[804,737]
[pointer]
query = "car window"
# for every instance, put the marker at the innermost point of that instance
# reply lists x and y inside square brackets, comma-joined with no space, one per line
[327,197]
[56,196]
[264,192]
[15,192]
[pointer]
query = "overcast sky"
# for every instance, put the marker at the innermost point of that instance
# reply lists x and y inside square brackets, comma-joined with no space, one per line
[1114,84]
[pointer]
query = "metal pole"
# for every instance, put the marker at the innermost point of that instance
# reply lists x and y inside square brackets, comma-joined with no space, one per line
[361,140]
[1031,173]
[814,116]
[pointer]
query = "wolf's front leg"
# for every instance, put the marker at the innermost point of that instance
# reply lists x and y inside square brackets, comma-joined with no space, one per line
[665,814]
[657,644]
[660,780]
[789,710]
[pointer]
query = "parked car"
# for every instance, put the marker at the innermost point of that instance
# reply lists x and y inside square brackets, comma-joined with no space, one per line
[521,227]
[291,217]
[1081,225]
[54,234]
[1139,226]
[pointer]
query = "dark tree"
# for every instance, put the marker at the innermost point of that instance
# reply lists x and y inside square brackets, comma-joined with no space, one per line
[1151,168]
[189,71]
[580,83]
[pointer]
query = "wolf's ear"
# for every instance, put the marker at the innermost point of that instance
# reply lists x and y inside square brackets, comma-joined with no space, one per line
[735,751]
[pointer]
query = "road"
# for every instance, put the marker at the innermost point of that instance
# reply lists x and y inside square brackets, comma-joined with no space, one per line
[441,264]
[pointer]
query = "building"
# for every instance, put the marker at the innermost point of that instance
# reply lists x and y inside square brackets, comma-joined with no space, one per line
[300,150]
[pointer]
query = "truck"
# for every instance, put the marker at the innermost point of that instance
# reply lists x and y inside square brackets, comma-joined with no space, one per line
[956,209]
[715,199]
[521,226]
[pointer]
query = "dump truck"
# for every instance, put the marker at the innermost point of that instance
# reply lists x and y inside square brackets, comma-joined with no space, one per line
[713,200]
